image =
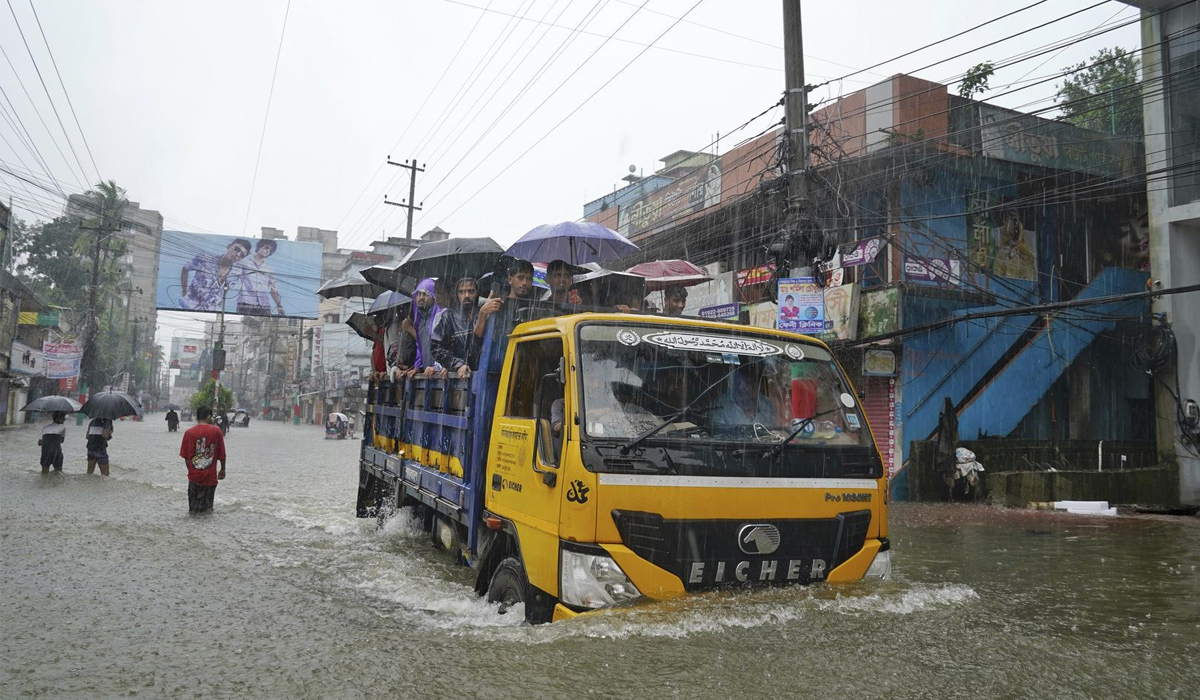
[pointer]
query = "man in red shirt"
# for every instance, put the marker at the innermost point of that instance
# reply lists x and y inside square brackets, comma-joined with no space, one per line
[203,446]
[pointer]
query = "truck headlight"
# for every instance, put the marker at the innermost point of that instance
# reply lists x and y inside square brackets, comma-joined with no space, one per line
[881,567]
[593,581]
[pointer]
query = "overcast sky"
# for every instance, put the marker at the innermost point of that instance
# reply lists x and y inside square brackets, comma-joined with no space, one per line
[171,97]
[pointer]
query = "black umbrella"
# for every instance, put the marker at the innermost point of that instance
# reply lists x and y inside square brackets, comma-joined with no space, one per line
[53,403]
[171,407]
[350,286]
[364,325]
[452,258]
[384,275]
[111,404]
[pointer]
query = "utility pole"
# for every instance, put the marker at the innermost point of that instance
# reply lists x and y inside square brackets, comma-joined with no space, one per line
[795,107]
[412,192]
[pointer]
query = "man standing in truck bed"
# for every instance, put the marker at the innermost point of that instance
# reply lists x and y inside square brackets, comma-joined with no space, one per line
[203,446]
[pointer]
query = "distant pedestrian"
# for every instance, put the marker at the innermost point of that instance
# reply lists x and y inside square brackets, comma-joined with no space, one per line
[203,446]
[99,432]
[51,441]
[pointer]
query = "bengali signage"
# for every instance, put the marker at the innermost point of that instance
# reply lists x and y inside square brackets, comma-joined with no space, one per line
[699,189]
[841,312]
[316,348]
[859,252]
[801,305]
[1024,138]
[62,359]
[941,270]
[999,239]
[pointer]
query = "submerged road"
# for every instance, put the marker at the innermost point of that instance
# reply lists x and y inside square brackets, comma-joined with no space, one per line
[109,589]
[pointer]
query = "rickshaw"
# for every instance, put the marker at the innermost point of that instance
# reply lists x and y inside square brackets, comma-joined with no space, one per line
[337,426]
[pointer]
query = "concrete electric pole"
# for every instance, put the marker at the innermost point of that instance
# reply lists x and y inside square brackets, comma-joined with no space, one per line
[412,192]
[795,107]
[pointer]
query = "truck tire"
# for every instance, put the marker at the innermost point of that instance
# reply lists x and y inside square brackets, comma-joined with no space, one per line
[509,585]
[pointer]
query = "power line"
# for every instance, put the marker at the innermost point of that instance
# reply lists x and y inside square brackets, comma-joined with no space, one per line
[931,44]
[64,89]
[572,112]
[263,136]
[39,116]
[50,99]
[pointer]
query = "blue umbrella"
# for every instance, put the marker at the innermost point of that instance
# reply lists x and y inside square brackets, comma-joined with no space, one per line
[573,241]
[388,300]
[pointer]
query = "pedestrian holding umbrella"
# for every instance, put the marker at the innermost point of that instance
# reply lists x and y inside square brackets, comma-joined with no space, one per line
[111,405]
[103,408]
[53,433]
[48,404]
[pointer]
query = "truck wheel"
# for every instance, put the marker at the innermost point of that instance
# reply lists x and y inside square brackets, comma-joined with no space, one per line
[509,585]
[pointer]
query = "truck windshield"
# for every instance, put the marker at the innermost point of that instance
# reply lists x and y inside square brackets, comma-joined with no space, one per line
[715,386]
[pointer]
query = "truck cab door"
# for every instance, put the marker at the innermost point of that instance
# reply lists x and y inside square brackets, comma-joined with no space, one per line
[523,459]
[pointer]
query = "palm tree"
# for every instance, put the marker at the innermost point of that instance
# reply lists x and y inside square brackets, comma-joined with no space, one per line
[106,203]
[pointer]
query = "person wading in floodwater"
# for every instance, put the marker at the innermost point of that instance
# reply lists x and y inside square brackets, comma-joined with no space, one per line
[202,448]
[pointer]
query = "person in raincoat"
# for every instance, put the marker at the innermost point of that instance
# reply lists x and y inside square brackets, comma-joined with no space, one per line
[425,311]
[455,345]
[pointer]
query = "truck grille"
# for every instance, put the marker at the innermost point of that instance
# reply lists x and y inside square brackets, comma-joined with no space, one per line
[708,554]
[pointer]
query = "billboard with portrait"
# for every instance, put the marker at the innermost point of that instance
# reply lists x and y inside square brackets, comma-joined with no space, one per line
[248,276]
[801,305]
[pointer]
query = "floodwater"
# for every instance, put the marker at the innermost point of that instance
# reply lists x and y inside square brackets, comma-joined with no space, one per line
[108,588]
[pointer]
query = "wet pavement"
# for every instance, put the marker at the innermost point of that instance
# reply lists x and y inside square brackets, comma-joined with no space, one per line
[109,588]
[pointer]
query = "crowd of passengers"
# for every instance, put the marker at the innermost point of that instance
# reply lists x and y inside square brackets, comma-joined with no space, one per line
[443,334]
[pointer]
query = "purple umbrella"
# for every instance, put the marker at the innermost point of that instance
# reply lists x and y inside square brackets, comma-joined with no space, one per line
[573,241]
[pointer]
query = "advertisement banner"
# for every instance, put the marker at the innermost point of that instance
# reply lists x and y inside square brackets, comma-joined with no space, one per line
[841,312]
[26,360]
[999,239]
[62,359]
[801,305]
[253,277]
[755,275]
[699,189]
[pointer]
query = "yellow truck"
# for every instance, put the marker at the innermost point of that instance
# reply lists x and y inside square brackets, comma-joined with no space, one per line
[595,460]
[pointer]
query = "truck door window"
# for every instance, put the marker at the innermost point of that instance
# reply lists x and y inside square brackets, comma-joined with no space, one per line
[533,361]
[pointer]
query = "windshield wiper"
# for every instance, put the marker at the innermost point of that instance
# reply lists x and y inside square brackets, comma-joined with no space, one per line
[792,435]
[637,439]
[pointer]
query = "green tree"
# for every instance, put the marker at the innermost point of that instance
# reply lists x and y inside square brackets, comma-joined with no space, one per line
[975,81]
[204,397]
[1104,94]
